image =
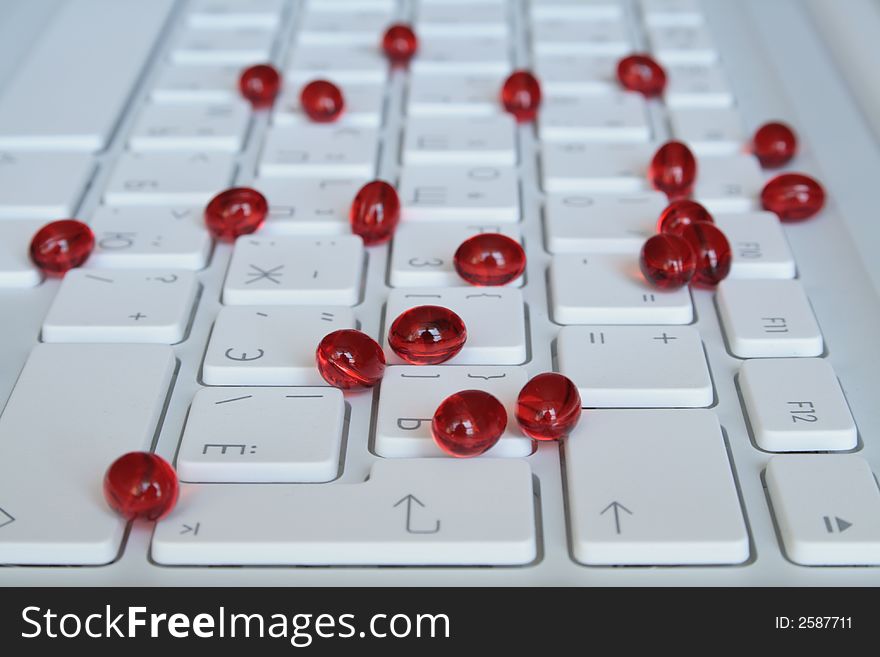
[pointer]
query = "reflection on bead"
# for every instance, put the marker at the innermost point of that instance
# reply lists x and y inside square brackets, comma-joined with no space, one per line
[235,212]
[62,245]
[400,44]
[141,485]
[427,335]
[521,96]
[350,360]
[673,169]
[468,423]
[681,213]
[793,196]
[490,259]
[322,101]
[260,85]
[375,212]
[548,407]
[667,261]
[712,251]
[774,144]
[641,73]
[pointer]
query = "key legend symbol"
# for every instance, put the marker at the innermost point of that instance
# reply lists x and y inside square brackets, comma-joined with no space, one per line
[839,525]
[409,498]
[5,518]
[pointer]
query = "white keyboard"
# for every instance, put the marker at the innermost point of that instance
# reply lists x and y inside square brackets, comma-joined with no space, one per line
[729,437]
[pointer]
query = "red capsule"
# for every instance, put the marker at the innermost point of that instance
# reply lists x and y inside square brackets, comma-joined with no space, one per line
[62,245]
[235,212]
[667,261]
[643,74]
[260,85]
[427,335]
[521,96]
[468,423]
[712,251]
[490,259]
[322,101]
[793,196]
[548,407]
[774,144]
[681,213]
[375,212]
[400,44]
[350,360]
[673,169]
[141,485]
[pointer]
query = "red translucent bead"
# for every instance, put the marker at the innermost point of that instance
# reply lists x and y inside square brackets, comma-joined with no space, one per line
[141,485]
[427,335]
[260,85]
[375,212]
[521,95]
[774,144]
[673,169]
[235,212]
[322,101]
[400,44]
[793,196]
[681,213]
[548,407]
[468,423]
[490,259]
[712,251]
[350,360]
[641,73]
[62,245]
[667,261]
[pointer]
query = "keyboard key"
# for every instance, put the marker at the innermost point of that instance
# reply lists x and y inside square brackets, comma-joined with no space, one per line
[768,318]
[105,400]
[454,95]
[796,405]
[42,185]
[308,206]
[682,44]
[577,74]
[444,56]
[576,9]
[122,306]
[196,84]
[16,268]
[697,86]
[228,14]
[672,12]
[168,178]
[190,127]
[363,106]
[320,151]
[358,25]
[241,46]
[827,508]
[760,249]
[612,118]
[709,131]
[636,366]
[595,167]
[461,140]
[593,37]
[478,20]
[289,434]
[446,193]
[357,63]
[729,184]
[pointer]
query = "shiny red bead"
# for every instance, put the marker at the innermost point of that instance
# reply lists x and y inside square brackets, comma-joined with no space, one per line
[681,213]
[641,73]
[667,261]
[468,423]
[235,212]
[793,196]
[62,245]
[141,485]
[673,169]
[521,95]
[350,360]
[712,252]
[375,212]
[400,44]
[427,335]
[260,85]
[774,144]
[322,101]
[490,259]
[548,407]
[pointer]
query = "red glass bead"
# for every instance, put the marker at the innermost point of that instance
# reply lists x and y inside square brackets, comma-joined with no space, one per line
[375,212]
[490,259]
[400,44]
[62,245]
[774,144]
[712,252]
[427,335]
[350,360]
[548,407]
[322,101]
[641,73]
[260,85]
[141,485]
[793,196]
[521,95]
[667,261]
[681,213]
[673,169]
[468,423]
[235,212]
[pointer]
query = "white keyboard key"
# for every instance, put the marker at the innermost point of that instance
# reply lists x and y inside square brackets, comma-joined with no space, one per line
[768,318]
[295,270]
[469,140]
[341,64]
[478,20]
[16,268]
[576,9]
[624,509]
[176,179]
[494,317]
[144,238]
[196,84]
[442,193]
[600,288]
[592,37]
[697,86]
[361,25]
[602,223]
[760,249]
[577,74]
[486,56]
[682,44]
[796,405]
[308,206]
[612,118]
[454,95]
[729,184]
[42,185]
[122,306]
[241,46]
[672,12]
[320,150]
[363,106]
[74,410]
[253,435]
[709,131]
[230,14]
[421,512]
[636,366]
[595,167]
[411,393]
[189,127]
[827,508]
[270,345]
